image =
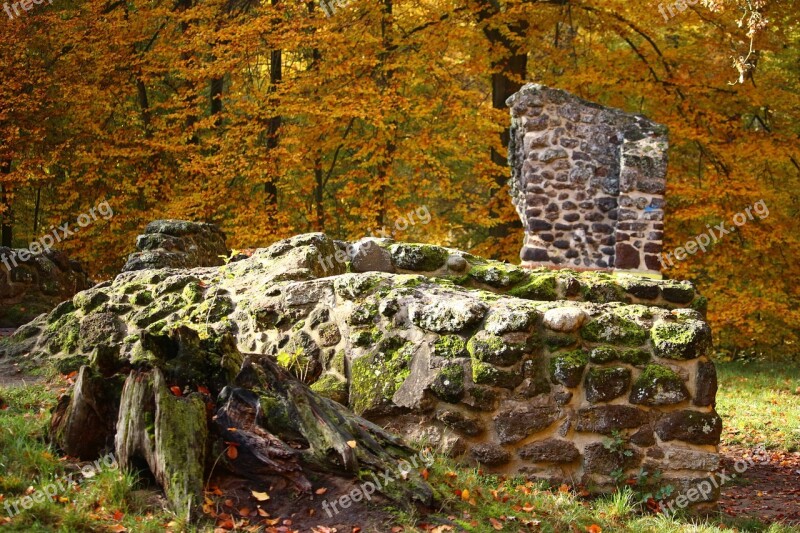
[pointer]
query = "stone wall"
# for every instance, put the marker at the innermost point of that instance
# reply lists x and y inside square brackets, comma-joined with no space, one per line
[178,244]
[587,181]
[576,377]
[36,284]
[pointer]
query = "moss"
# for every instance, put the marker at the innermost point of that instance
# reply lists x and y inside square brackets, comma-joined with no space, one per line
[64,334]
[142,298]
[554,341]
[486,374]
[449,383]
[686,339]
[89,299]
[635,357]
[658,385]
[600,287]
[603,354]
[275,413]
[538,287]
[494,349]
[362,338]
[193,293]
[338,363]
[375,377]
[450,346]
[331,387]
[496,274]
[130,339]
[567,367]
[419,257]
[634,311]
[614,329]
[352,286]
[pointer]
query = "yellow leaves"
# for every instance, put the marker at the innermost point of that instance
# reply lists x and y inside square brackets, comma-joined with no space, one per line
[260,496]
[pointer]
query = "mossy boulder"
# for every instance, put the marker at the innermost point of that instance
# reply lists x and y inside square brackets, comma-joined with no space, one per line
[658,385]
[683,339]
[567,368]
[449,347]
[496,350]
[451,313]
[331,386]
[497,275]
[448,385]
[539,286]
[376,376]
[418,257]
[487,374]
[605,384]
[611,328]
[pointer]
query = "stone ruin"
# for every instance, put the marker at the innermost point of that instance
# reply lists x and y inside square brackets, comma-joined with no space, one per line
[178,244]
[32,284]
[564,376]
[587,181]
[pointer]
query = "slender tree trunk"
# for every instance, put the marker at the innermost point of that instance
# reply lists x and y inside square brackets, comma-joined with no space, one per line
[7,218]
[36,210]
[319,189]
[274,125]
[390,146]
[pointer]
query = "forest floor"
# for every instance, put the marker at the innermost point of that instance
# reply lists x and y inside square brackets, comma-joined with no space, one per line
[759,402]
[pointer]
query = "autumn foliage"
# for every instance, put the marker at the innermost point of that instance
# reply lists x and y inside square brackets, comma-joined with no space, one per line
[271,118]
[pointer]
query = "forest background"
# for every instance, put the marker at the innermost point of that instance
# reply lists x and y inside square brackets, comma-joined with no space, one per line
[271,118]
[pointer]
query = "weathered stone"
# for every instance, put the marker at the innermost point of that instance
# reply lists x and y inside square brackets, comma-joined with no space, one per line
[550,451]
[448,385]
[694,427]
[598,459]
[495,349]
[567,368]
[490,454]
[658,385]
[516,421]
[608,418]
[564,319]
[705,384]
[460,422]
[418,257]
[681,458]
[370,256]
[447,315]
[684,339]
[612,328]
[605,384]
[644,437]
[178,244]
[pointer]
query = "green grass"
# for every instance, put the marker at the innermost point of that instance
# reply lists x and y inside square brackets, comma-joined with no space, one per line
[760,404]
[28,464]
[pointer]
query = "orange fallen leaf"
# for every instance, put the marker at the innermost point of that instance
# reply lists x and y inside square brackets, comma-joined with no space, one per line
[563,488]
[176,390]
[496,524]
[594,528]
[232,452]
[203,389]
[320,491]
[465,494]
[425,474]
[118,515]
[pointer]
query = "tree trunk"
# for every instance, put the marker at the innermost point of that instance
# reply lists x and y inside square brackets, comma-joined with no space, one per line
[265,422]
[7,218]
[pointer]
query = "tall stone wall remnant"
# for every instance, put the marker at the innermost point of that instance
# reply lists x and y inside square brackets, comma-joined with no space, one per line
[587,181]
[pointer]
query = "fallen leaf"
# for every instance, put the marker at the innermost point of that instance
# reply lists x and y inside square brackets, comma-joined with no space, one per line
[176,390]
[232,452]
[496,524]
[260,496]
[465,494]
[594,528]
[352,443]
[320,491]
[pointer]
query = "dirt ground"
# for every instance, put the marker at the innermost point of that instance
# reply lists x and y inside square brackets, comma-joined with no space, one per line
[769,492]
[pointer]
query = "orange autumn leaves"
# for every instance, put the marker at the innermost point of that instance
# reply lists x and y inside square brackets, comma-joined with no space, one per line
[275,119]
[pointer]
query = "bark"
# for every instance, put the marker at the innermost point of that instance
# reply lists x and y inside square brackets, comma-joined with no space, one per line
[274,422]
[7,217]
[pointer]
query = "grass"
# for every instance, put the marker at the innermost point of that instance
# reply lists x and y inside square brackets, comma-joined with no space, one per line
[759,402]
[105,501]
